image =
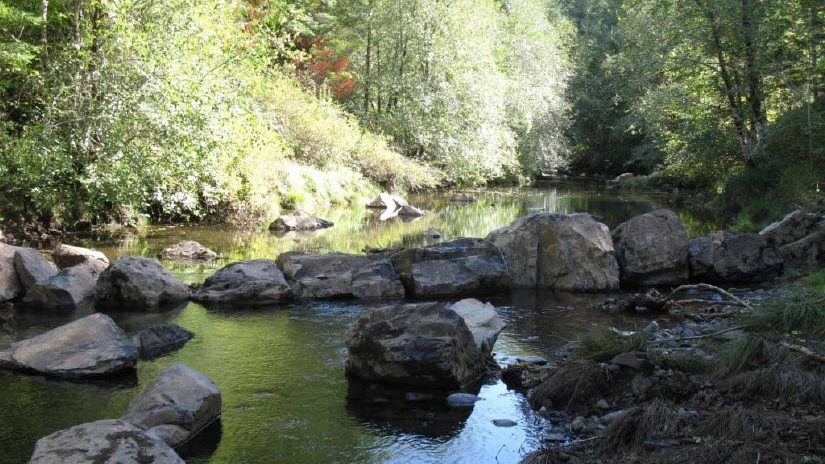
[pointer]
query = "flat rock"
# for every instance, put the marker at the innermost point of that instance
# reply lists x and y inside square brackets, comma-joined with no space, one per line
[632,361]
[177,405]
[652,249]
[256,282]
[136,282]
[158,340]
[563,252]
[188,250]
[535,360]
[32,267]
[10,286]
[504,423]
[482,320]
[299,221]
[93,346]
[462,400]
[103,442]
[70,288]
[733,257]
[339,275]
[67,256]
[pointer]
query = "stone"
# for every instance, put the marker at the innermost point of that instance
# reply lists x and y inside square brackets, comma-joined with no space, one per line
[432,233]
[807,252]
[534,360]
[794,226]
[462,400]
[482,320]
[10,286]
[135,282]
[611,416]
[578,424]
[619,181]
[32,267]
[160,339]
[339,275]
[602,404]
[504,423]
[411,211]
[632,361]
[299,221]
[250,283]
[462,198]
[424,345]
[459,267]
[103,442]
[188,250]
[387,201]
[177,405]
[93,346]
[69,289]
[555,437]
[67,256]
[733,257]
[652,249]
[561,252]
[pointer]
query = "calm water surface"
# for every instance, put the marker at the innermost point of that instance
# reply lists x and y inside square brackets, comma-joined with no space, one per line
[280,369]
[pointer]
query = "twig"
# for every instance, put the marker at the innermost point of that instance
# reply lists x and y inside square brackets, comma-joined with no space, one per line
[803,350]
[709,335]
[712,288]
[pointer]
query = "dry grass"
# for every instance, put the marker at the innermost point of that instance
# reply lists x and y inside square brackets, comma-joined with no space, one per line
[742,424]
[631,431]
[571,385]
[550,456]
[603,344]
[786,380]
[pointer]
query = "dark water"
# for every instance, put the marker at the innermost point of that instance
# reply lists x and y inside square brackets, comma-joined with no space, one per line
[280,369]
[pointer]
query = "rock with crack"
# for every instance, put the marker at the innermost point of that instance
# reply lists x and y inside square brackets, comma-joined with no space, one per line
[733,257]
[32,267]
[67,256]
[177,405]
[248,283]
[103,442]
[652,249]
[424,345]
[299,221]
[571,252]
[339,275]
[134,282]
[188,250]
[67,290]
[482,320]
[93,346]
[10,286]
[158,340]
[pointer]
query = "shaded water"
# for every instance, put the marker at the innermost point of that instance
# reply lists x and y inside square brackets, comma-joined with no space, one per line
[280,369]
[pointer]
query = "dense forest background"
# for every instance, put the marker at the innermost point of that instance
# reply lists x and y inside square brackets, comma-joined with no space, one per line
[117,110]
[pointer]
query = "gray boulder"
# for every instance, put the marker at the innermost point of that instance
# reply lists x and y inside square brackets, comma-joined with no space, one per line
[562,252]
[32,267]
[298,221]
[424,345]
[93,346]
[103,442]
[10,286]
[465,266]
[138,283]
[158,340]
[652,249]
[482,320]
[807,252]
[177,405]
[257,282]
[67,256]
[69,289]
[339,275]
[733,257]
[188,250]
[794,226]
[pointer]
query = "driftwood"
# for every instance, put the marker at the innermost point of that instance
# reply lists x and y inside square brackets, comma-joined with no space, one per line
[653,301]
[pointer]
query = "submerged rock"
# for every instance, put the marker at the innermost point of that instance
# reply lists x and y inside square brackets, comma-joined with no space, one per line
[67,256]
[158,340]
[652,249]
[462,198]
[482,320]
[562,252]
[93,346]
[619,181]
[339,275]
[177,405]
[32,267]
[298,221]
[394,205]
[103,442]
[139,283]
[10,286]
[67,290]
[459,267]
[414,345]
[462,400]
[733,257]
[256,282]
[188,250]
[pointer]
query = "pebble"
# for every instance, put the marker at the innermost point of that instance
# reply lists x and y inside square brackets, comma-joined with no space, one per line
[602,404]
[555,437]
[611,416]
[504,423]
[537,360]
[462,400]
[578,424]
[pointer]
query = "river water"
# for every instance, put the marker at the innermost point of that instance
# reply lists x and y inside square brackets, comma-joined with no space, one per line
[281,369]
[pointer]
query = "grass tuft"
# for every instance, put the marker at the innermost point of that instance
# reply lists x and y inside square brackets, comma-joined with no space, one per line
[603,344]
[571,385]
[631,431]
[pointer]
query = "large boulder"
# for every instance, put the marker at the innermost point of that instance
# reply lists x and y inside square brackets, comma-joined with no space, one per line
[733,257]
[562,252]
[423,345]
[257,282]
[138,283]
[652,249]
[465,266]
[10,286]
[807,252]
[32,267]
[67,256]
[339,275]
[160,339]
[299,220]
[93,346]
[482,320]
[69,289]
[188,250]
[103,442]
[800,237]
[177,405]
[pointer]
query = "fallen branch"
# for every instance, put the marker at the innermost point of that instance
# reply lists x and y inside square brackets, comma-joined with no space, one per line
[703,336]
[804,350]
[734,299]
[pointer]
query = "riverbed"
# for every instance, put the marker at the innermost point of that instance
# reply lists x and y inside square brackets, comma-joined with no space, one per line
[281,369]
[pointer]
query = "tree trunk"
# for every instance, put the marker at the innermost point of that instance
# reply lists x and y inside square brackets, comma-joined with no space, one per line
[755,95]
